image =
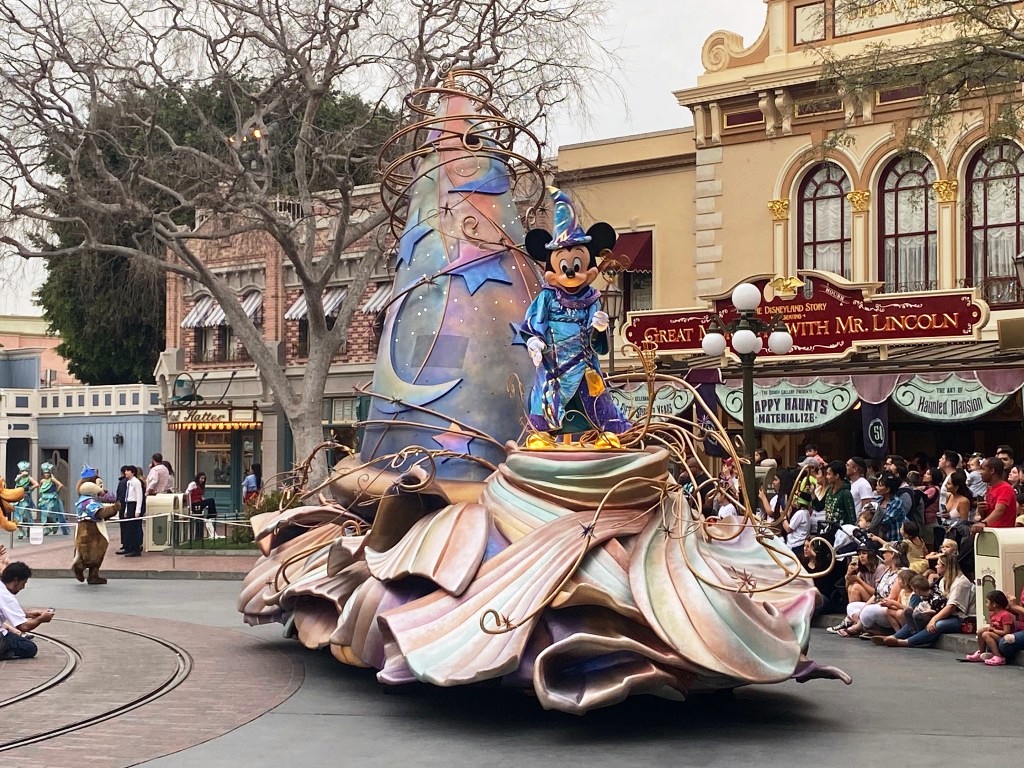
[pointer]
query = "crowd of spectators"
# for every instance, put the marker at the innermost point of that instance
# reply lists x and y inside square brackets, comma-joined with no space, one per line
[902,536]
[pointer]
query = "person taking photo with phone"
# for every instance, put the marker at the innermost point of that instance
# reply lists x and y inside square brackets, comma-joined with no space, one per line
[16,622]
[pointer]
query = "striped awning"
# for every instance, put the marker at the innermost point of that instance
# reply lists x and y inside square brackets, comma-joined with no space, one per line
[378,300]
[207,313]
[196,317]
[332,299]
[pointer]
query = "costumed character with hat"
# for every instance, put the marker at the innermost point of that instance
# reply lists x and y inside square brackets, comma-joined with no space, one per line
[95,505]
[23,509]
[51,508]
[566,329]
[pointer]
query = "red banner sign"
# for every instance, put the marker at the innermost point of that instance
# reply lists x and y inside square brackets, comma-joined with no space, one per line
[828,317]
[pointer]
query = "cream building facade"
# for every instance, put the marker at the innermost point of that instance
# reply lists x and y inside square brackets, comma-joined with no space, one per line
[755,188]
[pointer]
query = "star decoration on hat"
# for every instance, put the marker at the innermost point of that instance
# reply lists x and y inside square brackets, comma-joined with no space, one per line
[477,268]
[415,231]
[454,440]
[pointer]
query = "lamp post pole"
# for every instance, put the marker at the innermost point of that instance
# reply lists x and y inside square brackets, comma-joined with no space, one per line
[745,336]
[747,367]
[611,299]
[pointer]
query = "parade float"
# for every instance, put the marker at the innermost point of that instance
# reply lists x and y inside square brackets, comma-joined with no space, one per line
[539,539]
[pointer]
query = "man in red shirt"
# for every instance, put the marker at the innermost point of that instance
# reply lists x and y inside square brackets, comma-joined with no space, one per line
[1000,505]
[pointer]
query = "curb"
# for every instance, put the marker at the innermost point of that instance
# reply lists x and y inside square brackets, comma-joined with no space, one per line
[253,553]
[65,573]
[960,645]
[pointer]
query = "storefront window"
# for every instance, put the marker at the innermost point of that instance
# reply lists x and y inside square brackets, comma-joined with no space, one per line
[825,221]
[213,456]
[995,221]
[908,258]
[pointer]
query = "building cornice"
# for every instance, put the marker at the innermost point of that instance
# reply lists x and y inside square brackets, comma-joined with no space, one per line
[633,168]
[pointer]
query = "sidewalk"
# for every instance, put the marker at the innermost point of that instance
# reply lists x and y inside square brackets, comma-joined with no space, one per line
[52,559]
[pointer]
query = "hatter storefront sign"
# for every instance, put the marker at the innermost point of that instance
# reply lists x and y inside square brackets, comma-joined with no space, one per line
[951,399]
[669,400]
[786,407]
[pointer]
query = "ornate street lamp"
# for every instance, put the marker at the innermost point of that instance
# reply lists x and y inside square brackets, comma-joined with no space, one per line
[746,331]
[611,301]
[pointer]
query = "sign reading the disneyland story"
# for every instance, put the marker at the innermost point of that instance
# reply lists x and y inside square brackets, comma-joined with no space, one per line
[952,399]
[669,400]
[853,16]
[786,407]
[830,316]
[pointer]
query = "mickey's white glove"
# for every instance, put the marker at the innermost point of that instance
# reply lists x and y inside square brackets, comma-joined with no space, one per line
[600,321]
[536,346]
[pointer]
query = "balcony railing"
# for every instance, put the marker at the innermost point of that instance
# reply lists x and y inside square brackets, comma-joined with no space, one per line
[998,291]
[238,355]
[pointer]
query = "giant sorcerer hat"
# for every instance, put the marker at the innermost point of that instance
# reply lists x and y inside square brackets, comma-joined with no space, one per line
[568,231]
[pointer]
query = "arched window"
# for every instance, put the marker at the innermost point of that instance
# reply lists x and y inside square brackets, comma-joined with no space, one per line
[824,221]
[995,221]
[908,256]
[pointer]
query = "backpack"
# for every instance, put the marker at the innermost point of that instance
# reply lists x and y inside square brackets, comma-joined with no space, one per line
[918,501]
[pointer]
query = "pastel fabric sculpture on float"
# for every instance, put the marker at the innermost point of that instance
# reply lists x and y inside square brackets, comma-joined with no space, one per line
[566,329]
[461,285]
[580,603]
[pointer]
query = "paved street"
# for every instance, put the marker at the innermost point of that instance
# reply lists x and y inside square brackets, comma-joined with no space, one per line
[914,707]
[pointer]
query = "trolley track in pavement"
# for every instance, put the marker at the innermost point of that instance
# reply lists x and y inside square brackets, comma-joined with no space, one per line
[89,665]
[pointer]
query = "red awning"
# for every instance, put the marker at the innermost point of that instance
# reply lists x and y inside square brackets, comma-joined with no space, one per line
[637,246]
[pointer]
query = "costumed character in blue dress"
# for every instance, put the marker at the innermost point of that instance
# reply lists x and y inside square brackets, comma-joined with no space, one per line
[51,508]
[23,509]
[566,329]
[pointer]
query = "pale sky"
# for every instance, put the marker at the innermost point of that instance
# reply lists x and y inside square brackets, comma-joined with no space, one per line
[660,52]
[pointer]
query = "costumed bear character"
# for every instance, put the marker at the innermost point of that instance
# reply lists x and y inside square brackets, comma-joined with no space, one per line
[8,498]
[565,330]
[95,505]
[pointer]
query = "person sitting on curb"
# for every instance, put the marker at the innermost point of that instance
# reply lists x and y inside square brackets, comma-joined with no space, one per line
[958,592]
[1010,644]
[15,622]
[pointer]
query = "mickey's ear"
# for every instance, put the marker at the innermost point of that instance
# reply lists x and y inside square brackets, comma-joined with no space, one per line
[536,242]
[602,237]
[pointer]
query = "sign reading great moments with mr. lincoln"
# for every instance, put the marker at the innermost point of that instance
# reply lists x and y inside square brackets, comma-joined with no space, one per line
[830,316]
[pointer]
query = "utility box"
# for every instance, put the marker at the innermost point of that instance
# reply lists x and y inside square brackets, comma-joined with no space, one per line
[998,564]
[162,513]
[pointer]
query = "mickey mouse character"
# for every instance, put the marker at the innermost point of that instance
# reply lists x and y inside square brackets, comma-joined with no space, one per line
[565,330]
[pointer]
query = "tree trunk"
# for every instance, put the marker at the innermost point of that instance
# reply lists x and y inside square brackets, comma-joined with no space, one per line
[308,433]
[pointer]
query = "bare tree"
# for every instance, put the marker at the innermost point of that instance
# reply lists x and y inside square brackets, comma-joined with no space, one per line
[93,94]
[964,55]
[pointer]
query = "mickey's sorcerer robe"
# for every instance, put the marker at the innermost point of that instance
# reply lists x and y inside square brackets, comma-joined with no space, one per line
[569,377]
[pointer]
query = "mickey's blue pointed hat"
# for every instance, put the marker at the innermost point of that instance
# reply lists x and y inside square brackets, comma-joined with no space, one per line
[568,231]
[88,472]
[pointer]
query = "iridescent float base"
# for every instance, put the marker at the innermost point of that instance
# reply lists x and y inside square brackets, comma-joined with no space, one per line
[581,575]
